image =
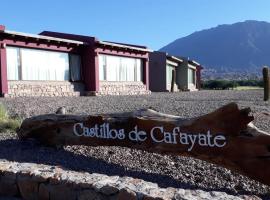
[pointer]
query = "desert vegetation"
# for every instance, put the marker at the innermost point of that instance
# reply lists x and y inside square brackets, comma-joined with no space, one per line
[230,84]
[6,122]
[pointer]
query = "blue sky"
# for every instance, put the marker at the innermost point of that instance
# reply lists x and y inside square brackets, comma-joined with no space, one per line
[153,23]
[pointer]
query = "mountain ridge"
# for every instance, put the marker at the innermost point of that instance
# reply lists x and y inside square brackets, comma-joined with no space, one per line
[239,46]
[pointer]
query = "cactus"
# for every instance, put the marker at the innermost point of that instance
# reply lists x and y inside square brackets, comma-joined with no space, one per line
[266,83]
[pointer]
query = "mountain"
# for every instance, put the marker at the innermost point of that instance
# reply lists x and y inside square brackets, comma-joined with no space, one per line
[243,46]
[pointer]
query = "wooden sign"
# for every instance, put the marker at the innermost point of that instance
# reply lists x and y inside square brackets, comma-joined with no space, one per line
[224,137]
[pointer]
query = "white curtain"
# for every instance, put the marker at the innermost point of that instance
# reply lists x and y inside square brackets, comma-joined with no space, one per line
[117,68]
[123,70]
[169,70]
[139,71]
[75,67]
[191,76]
[12,63]
[102,65]
[44,65]
[112,65]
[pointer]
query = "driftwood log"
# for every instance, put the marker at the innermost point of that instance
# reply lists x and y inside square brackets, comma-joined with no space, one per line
[224,137]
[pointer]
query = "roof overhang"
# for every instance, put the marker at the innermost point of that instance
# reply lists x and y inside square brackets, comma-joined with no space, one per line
[41,37]
[192,66]
[124,46]
[174,59]
[194,63]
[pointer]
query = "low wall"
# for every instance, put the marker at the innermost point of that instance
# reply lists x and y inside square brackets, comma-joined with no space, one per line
[37,181]
[122,88]
[44,88]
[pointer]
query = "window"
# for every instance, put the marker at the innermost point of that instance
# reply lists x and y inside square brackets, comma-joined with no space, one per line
[169,70]
[13,62]
[33,64]
[44,65]
[191,76]
[117,68]
[75,67]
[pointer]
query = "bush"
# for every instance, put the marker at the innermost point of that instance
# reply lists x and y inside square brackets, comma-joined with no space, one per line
[219,84]
[257,83]
[7,123]
[3,112]
[226,84]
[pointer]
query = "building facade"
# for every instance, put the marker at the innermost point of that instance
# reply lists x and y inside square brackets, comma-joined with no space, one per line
[59,64]
[162,68]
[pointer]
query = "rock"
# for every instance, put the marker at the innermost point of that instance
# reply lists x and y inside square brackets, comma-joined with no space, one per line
[126,193]
[153,198]
[252,197]
[61,192]
[61,111]
[43,192]
[90,195]
[109,190]
[8,185]
[28,188]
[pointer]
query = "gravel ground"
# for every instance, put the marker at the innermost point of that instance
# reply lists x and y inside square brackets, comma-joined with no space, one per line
[167,171]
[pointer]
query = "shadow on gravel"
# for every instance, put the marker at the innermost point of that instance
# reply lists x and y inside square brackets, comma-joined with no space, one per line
[30,151]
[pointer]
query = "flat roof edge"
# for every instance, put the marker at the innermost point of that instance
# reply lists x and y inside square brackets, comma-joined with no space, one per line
[174,58]
[43,37]
[124,46]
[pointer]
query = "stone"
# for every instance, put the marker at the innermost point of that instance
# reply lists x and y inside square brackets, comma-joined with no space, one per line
[61,110]
[153,198]
[43,192]
[109,190]
[61,192]
[28,188]
[39,88]
[90,195]
[251,197]
[122,88]
[126,193]
[8,186]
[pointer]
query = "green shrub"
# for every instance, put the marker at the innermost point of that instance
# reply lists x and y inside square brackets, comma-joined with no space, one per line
[7,123]
[220,84]
[3,112]
[230,84]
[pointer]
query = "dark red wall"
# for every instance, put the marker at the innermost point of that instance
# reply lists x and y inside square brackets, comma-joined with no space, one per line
[89,52]
[157,72]
[198,75]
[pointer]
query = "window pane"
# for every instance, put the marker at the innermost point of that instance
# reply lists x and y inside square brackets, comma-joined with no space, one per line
[191,76]
[130,66]
[123,70]
[139,71]
[112,66]
[119,68]
[169,70]
[12,63]
[44,65]
[101,61]
[75,67]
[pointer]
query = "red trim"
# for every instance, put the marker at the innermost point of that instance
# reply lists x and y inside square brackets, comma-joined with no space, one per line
[198,77]
[2,27]
[96,76]
[146,73]
[3,71]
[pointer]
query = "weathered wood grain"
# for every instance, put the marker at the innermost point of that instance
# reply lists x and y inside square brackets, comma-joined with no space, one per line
[235,143]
